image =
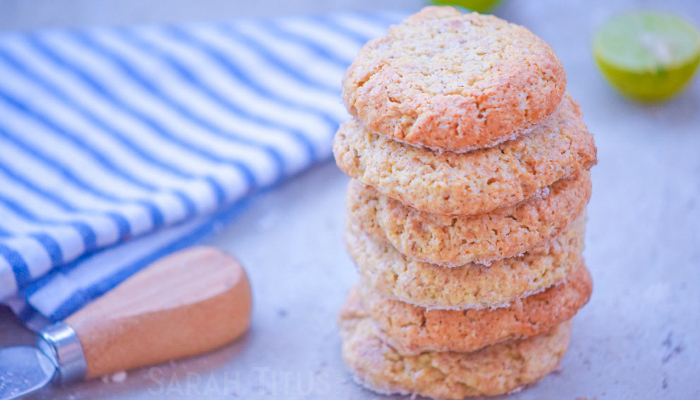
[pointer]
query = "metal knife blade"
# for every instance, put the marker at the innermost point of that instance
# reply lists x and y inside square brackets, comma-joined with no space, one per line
[23,369]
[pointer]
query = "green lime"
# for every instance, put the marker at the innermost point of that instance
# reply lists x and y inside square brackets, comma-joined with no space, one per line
[647,56]
[481,6]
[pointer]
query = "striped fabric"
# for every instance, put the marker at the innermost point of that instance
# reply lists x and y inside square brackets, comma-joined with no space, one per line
[120,145]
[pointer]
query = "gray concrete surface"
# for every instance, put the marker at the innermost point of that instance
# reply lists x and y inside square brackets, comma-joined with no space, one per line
[639,336]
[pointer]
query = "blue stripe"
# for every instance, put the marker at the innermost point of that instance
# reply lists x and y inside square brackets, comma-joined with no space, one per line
[19,267]
[80,297]
[181,109]
[26,313]
[123,225]
[381,22]
[219,192]
[300,40]
[382,19]
[97,66]
[103,92]
[37,284]
[226,62]
[269,56]
[156,215]
[341,30]
[52,247]
[84,112]
[247,80]
[99,157]
[121,222]
[190,207]
[65,172]
[221,217]
[89,238]
[197,84]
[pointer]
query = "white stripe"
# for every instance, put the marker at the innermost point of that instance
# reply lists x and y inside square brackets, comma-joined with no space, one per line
[91,134]
[172,85]
[344,47]
[75,159]
[102,265]
[137,131]
[54,293]
[78,162]
[237,91]
[358,24]
[103,227]
[395,17]
[171,207]
[296,56]
[8,285]
[32,252]
[203,151]
[123,88]
[67,238]
[271,77]
[43,176]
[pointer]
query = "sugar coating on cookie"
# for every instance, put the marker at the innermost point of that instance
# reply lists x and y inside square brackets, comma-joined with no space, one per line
[386,270]
[414,330]
[468,183]
[453,81]
[493,370]
[482,238]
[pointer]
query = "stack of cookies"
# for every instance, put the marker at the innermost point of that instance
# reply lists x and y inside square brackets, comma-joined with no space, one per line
[466,211]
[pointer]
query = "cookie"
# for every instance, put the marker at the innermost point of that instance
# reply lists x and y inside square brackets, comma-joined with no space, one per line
[469,183]
[456,82]
[400,277]
[482,238]
[493,370]
[414,330]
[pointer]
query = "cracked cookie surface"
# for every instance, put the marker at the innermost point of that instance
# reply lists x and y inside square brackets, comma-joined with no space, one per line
[482,238]
[468,183]
[493,370]
[453,81]
[400,277]
[414,330]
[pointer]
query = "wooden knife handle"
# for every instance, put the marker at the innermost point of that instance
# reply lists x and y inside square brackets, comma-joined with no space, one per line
[184,304]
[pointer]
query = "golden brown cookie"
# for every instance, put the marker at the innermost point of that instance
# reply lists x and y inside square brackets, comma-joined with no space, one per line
[402,278]
[493,370]
[482,238]
[453,81]
[414,330]
[470,183]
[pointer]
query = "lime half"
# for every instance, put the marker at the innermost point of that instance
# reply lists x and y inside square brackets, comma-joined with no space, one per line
[647,56]
[481,6]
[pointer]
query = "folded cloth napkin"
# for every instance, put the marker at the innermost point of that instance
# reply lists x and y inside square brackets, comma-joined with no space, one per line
[120,145]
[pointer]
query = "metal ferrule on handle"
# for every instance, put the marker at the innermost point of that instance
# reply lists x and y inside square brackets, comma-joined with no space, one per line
[61,344]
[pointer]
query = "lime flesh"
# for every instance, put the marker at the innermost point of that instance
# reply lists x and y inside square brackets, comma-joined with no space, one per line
[647,56]
[481,6]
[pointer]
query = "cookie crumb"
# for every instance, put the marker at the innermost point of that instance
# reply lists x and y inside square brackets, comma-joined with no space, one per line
[119,377]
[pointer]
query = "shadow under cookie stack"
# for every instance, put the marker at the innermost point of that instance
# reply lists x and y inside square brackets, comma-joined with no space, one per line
[466,211]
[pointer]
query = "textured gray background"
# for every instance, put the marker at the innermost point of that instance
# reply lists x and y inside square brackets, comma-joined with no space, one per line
[638,338]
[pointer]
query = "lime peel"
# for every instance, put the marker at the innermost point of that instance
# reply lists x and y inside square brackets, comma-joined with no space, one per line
[481,6]
[647,56]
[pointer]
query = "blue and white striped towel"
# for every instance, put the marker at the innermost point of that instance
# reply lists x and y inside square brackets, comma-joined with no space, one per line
[120,145]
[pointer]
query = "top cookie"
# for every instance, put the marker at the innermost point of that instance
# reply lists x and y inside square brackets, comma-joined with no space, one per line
[454,82]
